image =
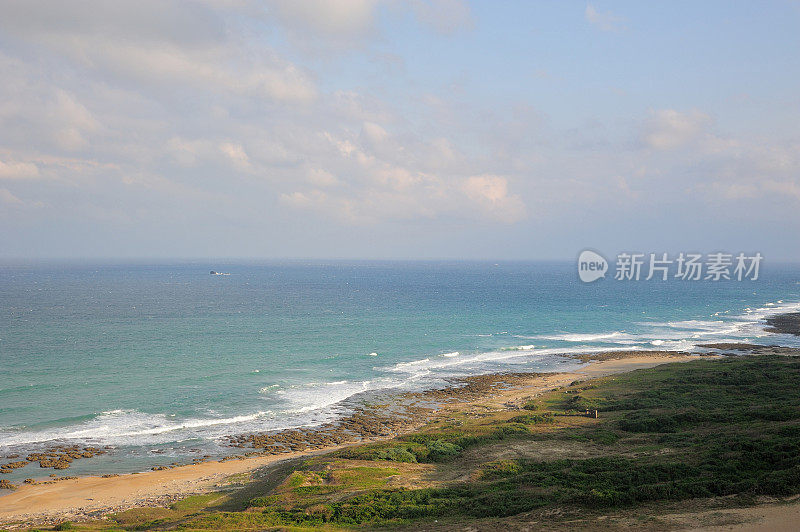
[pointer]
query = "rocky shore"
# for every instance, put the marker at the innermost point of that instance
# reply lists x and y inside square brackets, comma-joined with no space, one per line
[400,414]
[58,457]
[784,323]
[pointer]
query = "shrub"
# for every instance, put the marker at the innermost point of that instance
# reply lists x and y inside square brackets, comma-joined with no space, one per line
[397,454]
[260,502]
[531,405]
[645,421]
[439,450]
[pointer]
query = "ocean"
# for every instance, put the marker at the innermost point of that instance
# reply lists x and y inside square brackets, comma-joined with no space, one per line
[160,362]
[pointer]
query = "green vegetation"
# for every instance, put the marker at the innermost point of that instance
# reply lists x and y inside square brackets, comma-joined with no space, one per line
[708,428]
[430,447]
[531,405]
[533,419]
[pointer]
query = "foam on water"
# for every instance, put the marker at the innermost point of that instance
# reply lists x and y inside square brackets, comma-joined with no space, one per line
[575,337]
[130,427]
[316,396]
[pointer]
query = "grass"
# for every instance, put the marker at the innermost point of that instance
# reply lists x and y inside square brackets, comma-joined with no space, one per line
[677,432]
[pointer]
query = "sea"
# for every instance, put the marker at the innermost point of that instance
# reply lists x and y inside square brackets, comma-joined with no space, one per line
[160,362]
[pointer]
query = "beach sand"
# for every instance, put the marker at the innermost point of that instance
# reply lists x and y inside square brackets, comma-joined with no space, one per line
[87,497]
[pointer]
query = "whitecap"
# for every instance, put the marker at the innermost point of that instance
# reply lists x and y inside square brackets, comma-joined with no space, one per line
[587,337]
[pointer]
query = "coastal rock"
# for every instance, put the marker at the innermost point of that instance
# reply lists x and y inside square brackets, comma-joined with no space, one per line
[784,323]
[6,468]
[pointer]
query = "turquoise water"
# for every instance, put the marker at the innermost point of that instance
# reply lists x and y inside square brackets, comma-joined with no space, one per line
[156,360]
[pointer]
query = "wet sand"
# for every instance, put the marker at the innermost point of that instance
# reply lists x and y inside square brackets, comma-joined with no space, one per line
[92,497]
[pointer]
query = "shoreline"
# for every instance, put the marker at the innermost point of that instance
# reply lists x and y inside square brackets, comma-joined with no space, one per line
[91,497]
[362,424]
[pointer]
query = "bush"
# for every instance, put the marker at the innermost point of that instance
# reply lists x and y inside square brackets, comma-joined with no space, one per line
[581,403]
[397,454]
[531,405]
[439,450]
[261,502]
[603,437]
[645,421]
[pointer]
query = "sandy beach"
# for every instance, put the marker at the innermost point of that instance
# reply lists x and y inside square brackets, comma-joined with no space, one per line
[92,497]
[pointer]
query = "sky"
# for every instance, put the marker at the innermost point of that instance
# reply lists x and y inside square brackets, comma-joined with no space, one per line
[389,129]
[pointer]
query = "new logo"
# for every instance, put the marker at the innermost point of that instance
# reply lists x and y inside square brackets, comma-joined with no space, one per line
[591,266]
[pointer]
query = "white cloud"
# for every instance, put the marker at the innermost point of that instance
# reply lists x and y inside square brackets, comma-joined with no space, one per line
[336,18]
[667,129]
[71,121]
[223,68]
[783,188]
[8,198]
[379,178]
[186,152]
[605,21]
[321,178]
[490,192]
[18,170]
[752,190]
[142,45]
[325,26]
[236,154]
[222,115]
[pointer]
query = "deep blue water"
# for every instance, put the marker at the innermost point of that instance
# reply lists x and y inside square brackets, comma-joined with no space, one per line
[168,357]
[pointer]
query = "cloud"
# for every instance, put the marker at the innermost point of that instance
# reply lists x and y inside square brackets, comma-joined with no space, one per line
[605,21]
[321,178]
[331,18]
[221,68]
[187,152]
[236,154]
[783,188]
[444,16]
[490,192]
[127,116]
[71,121]
[321,27]
[142,45]
[787,190]
[668,129]
[18,170]
[381,177]
[8,198]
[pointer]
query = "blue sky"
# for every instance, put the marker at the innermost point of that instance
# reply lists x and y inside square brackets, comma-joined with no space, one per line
[398,129]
